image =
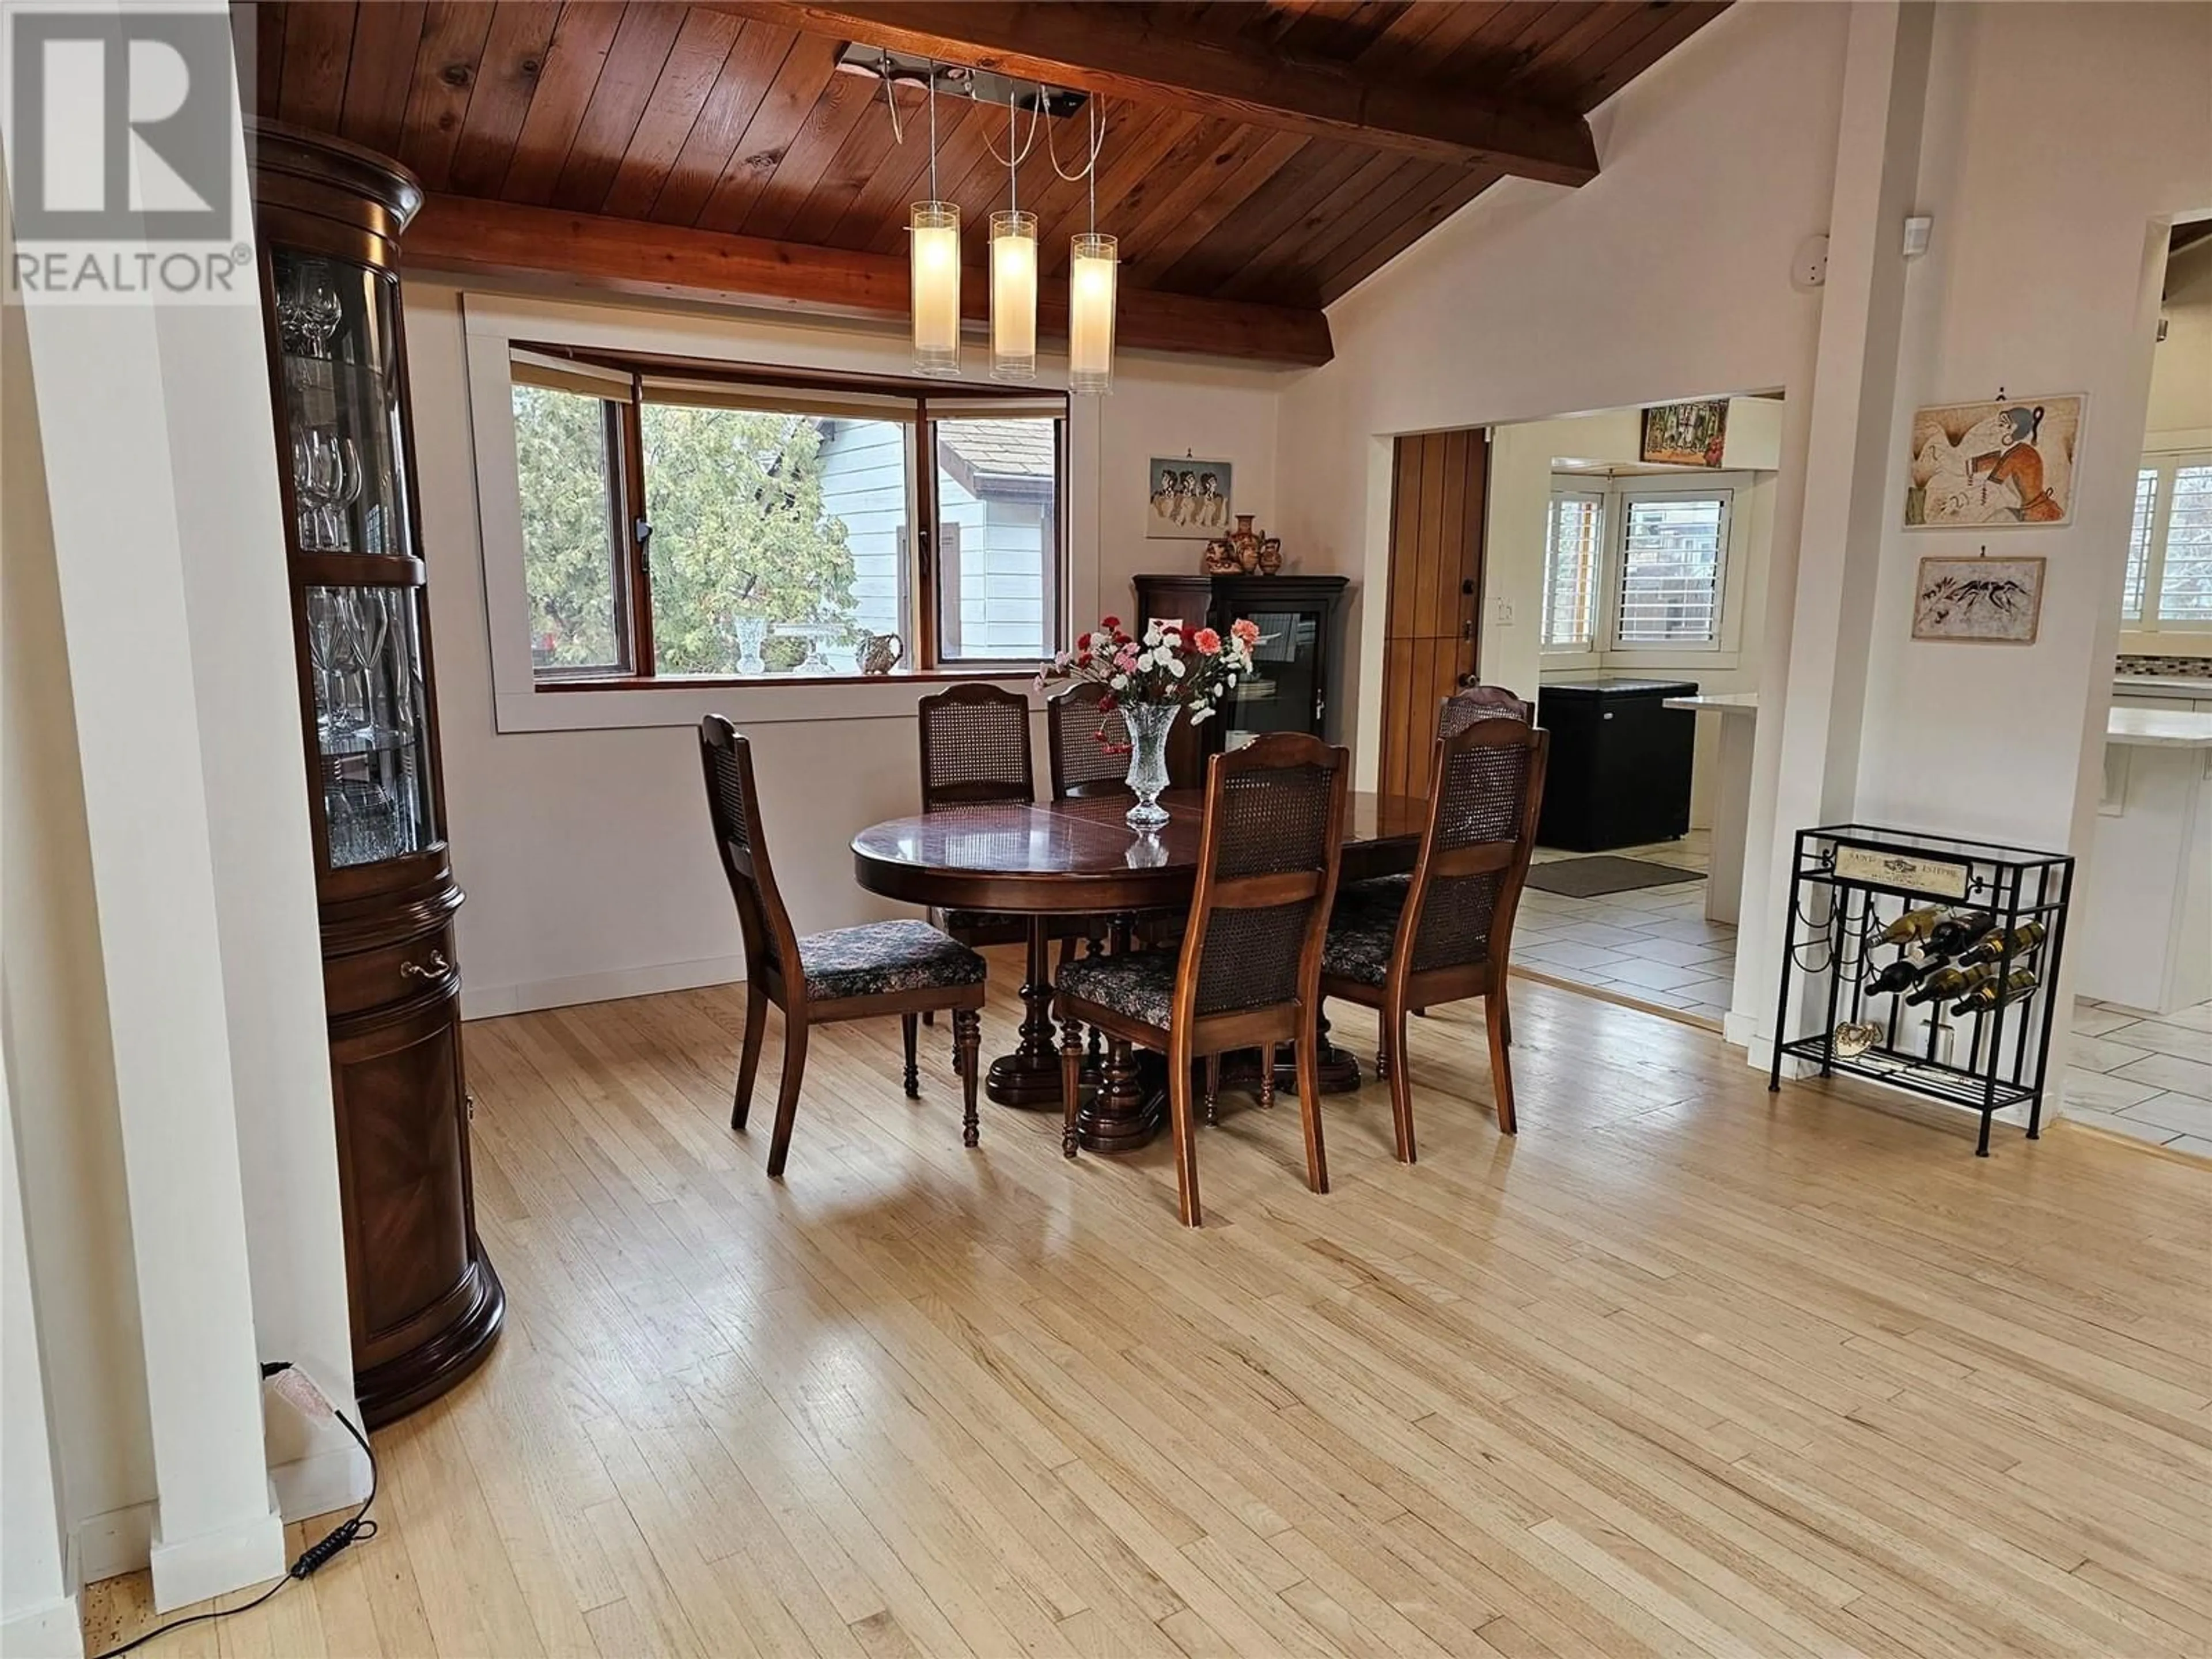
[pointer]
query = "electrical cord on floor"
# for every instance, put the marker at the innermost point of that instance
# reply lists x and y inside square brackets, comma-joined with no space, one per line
[355,1528]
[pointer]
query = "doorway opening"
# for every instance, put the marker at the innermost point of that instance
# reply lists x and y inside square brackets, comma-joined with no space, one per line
[2140,1064]
[1624,591]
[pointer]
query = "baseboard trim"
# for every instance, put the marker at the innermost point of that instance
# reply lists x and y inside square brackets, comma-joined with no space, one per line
[51,1630]
[334,1479]
[491,1001]
[247,1551]
[113,1542]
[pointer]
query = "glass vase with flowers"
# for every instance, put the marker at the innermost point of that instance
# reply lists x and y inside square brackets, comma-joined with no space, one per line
[1151,678]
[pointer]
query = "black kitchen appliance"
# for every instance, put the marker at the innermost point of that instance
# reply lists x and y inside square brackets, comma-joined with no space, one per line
[1619,769]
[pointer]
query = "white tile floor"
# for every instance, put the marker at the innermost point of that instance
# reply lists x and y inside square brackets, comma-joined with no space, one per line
[2148,1079]
[1653,944]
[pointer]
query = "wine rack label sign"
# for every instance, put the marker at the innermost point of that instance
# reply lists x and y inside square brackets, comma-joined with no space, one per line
[1939,877]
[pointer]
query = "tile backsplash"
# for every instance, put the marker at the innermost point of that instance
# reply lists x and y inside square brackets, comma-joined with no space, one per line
[2166,668]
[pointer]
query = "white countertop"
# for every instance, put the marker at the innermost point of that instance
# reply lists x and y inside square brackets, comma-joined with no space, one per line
[2162,685]
[2159,728]
[1721,702]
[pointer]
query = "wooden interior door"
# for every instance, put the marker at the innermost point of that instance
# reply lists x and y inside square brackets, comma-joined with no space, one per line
[1431,629]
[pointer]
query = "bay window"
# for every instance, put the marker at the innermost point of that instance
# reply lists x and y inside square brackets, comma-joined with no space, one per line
[688,521]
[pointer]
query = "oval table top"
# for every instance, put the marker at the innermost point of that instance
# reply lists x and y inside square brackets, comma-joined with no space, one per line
[1080,858]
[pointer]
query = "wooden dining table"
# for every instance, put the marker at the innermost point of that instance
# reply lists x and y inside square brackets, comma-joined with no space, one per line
[1079,858]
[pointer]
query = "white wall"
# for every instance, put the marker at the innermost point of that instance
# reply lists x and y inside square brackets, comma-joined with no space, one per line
[2043,277]
[53,1003]
[160,984]
[2050,143]
[1667,277]
[2181,369]
[584,853]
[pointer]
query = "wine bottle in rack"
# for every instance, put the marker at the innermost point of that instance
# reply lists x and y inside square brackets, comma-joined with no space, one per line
[1912,926]
[1986,993]
[1955,932]
[1947,982]
[2019,941]
[1907,970]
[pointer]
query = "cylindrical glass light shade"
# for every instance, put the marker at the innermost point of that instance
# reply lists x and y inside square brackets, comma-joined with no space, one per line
[1093,265]
[1013,296]
[933,262]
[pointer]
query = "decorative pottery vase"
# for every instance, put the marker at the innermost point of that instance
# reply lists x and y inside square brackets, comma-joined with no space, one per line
[1221,557]
[1148,724]
[1271,554]
[1246,541]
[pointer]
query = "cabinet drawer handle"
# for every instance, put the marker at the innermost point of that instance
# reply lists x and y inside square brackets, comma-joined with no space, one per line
[438,967]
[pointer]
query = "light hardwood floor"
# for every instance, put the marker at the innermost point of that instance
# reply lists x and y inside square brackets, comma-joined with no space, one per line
[1683,1370]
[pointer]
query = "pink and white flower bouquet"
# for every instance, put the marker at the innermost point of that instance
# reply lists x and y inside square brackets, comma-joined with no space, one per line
[1149,679]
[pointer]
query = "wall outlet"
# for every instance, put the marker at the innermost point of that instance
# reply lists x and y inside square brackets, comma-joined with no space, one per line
[1502,610]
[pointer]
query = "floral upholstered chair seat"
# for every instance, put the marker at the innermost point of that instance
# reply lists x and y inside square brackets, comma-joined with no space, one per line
[1362,928]
[1140,985]
[878,958]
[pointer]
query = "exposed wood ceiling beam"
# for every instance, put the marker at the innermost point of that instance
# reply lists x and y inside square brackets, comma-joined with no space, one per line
[1112,50]
[628,256]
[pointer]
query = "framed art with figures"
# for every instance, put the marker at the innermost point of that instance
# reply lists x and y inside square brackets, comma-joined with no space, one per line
[1190,499]
[1999,465]
[1979,601]
[1686,435]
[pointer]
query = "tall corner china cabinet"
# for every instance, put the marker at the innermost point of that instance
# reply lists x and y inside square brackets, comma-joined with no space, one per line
[426,1303]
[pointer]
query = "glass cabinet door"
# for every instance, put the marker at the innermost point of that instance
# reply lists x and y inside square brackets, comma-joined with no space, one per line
[1283,691]
[372,722]
[337,324]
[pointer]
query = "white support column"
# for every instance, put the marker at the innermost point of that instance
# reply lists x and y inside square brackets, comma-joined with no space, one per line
[1810,743]
[38,1603]
[103,420]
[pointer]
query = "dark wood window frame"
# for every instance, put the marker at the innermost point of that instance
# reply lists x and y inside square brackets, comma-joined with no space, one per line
[917,573]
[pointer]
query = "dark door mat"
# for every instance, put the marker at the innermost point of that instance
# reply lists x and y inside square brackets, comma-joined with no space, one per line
[1594,878]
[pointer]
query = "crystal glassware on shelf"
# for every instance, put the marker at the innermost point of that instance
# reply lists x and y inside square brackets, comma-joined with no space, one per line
[320,308]
[307,489]
[346,479]
[291,314]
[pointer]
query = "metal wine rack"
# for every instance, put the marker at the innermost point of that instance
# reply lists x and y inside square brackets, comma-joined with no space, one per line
[1847,883]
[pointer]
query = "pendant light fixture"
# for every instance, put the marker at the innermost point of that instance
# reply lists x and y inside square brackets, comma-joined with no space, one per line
[1014,269]
[934,269]
[1093,267]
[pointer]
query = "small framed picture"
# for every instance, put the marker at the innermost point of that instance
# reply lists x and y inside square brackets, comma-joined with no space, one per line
[1686,435]
[1979,601]
[1190,499]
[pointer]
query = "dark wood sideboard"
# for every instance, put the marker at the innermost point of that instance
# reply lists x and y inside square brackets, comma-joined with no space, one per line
[426,1305]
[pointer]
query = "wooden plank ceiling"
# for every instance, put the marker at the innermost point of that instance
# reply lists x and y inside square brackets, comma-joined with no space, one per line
[730,118]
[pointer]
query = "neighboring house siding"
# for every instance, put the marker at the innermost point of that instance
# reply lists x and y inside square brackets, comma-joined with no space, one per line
[1001,584]
[1001,546]
[863,483]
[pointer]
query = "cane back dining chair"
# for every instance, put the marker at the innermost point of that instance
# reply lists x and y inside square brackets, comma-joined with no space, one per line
[1471,703]
[1088,748]
[1247,975]
[976,752]
[1396,944]
[899,967]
